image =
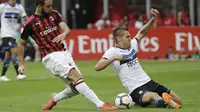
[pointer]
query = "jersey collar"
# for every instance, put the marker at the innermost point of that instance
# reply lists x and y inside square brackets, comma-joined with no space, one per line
[122,48]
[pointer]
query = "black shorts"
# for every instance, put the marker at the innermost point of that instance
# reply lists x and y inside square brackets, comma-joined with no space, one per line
[8,43]
[150,86]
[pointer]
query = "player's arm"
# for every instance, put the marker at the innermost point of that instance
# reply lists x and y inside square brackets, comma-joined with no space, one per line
[23,14]
[25,32]
[23,19]
[20,48]
[104,62]
[2,6]
[62,26]
[143,31]
[60,38]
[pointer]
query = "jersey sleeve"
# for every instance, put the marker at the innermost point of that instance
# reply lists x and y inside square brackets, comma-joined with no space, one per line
[108,54]
[31,40]
[25,31]
[134,44]
[1,8]
[59,17]
[22,12]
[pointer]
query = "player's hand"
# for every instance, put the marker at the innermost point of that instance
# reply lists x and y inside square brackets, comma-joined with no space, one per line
[21,69]
[154,12]
[60,38]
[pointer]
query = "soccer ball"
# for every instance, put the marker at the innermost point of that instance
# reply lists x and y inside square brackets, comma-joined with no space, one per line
[123,100]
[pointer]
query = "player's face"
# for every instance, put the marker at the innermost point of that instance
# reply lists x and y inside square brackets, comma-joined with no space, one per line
[125,39]
[46,9]
[12,2]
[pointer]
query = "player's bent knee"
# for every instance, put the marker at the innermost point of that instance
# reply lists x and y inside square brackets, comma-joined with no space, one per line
[153,96]
[73,88]
[74,84]
[147,97]
[74,75]
[7,55]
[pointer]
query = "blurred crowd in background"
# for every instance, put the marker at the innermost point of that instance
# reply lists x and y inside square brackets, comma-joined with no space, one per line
[89,14]
[171,55]
[82,14]
[132,14]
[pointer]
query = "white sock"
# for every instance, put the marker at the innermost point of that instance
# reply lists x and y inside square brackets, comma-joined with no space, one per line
[83,89]
[67,93]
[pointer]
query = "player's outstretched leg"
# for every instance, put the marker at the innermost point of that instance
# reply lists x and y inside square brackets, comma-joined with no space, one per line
[50,104]
[67,93]
[168,99]
[75,77]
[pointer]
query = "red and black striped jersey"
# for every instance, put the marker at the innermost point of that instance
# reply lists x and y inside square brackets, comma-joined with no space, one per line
[43,30]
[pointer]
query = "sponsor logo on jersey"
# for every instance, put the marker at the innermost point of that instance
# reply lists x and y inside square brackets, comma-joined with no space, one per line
[132,62]
[49,30]
[11,15]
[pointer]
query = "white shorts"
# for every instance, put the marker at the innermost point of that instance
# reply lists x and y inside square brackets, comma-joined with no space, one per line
[59,63]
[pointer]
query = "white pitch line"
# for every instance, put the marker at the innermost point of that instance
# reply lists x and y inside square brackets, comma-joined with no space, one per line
[40,78]
[164,71]
[177,70]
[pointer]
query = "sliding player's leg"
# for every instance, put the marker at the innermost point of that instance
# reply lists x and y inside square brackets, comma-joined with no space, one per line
[168,96]
[175,97]
[168,99]
[143,97]
[149,97]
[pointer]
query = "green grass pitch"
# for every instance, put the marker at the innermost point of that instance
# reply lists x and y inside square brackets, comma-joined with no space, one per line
[29,95]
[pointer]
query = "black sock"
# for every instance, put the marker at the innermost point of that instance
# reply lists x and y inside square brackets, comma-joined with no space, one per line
[160,103]
[15,63]
[5,66]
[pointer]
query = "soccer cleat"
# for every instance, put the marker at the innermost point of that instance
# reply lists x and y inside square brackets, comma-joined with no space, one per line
[4,79]
[50,104]
[20,77]
[107,106]
[168,99]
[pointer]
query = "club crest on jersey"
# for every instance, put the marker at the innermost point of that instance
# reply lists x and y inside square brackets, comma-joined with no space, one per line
[9,43]
[37,23]
[52,19]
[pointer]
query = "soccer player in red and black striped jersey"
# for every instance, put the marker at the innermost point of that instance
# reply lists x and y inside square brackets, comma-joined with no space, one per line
[48,29]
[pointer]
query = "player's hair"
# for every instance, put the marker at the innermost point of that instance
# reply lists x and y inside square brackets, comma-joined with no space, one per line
[117,31]
[39,2]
